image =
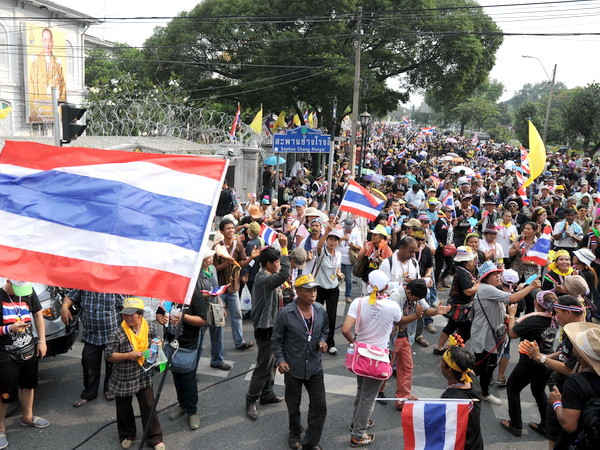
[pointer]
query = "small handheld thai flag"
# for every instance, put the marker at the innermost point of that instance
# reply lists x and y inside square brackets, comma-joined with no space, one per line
[235,123]
[405,121]
[540,250]
[392,219]
[428,130]
[402,154]
[475,140]
[216,291]
[435,425]
[268,234]
[448,199]
[358,200]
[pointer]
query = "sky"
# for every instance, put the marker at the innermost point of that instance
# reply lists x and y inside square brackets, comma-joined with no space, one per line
[575,57]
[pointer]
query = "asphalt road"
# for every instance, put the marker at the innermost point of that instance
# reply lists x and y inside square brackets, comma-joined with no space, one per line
[221,406]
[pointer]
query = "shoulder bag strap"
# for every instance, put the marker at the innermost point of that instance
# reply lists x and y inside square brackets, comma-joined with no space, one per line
[323,250]
[357,318]
[487,319]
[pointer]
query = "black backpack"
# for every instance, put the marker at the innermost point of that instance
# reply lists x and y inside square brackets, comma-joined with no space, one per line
[589,420]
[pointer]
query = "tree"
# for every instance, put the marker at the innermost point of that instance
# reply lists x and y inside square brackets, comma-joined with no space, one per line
[581,115]
[102,66]
[266,57]
[533,93]
[477,110]
[528,111]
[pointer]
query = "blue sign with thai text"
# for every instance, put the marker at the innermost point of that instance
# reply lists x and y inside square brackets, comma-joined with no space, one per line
[301,140]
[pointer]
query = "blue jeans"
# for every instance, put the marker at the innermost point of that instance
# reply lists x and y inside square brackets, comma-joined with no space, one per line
[232,300]
[347,271]
[216,344]
[431,299]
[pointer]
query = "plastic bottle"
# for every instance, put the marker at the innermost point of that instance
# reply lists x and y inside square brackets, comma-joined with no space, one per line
[350,350]
[153,351]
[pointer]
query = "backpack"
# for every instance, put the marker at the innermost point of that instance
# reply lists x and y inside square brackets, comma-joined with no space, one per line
[589,420]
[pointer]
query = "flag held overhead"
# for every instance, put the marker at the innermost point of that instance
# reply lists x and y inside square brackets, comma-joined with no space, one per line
[358,200]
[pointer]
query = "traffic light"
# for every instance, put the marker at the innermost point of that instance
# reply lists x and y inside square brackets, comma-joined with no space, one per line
[69,117]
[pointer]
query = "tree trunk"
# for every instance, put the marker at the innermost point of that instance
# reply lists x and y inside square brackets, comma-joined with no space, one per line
[586,143]
[462,128]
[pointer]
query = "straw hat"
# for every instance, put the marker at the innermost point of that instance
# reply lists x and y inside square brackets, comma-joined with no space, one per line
[255,211]
[585,337]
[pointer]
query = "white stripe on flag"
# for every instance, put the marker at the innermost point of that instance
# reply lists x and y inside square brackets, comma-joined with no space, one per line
[32,234]
[362,207]
[451,424]
[143,175]
[419,425]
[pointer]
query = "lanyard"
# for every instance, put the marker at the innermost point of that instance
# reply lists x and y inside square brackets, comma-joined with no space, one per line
[18,309]
[309,331]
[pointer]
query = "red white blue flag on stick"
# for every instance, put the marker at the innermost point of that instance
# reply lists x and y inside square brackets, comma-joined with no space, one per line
[448,199]
[435,425]
[106,220]
[392,219]
[216,291]
[540,250]
[405,121]
[235,123]
[428,130]
[268,234]
[358,200]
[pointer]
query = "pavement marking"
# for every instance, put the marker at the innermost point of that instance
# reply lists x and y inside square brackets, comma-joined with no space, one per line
[205,369]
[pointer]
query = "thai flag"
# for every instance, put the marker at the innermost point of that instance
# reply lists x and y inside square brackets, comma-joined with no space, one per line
[235,123]
[428,131]
[359,201]
[525,161]
[448,199]
[435,425]
[475,139]
[405,121]
[216,291]
[521,191]
[268,234]
[106,220]
[305,117]
[540,250]
[392,219]
[387,160]
[402,153]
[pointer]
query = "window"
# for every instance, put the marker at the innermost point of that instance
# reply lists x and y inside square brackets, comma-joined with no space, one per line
[4,49]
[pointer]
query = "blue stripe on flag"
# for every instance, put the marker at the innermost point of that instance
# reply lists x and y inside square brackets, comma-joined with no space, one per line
[105,206]
[357,197]
[435,426]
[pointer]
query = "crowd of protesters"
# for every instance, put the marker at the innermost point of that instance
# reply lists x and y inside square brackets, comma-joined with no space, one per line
[454,221]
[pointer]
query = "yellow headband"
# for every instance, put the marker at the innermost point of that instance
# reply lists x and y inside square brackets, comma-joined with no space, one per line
[465,375]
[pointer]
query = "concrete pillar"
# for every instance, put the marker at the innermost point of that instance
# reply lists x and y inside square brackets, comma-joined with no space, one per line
[247,181]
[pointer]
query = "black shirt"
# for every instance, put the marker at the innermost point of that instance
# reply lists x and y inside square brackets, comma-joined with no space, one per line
[462,280]
[536,328]
[23,307]
[474,440]
[189,333]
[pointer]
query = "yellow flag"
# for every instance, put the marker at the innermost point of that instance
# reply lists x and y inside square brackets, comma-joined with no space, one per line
[537,155]
[256,124]
[4,112]
[280,122]
[311,120]
[297,120]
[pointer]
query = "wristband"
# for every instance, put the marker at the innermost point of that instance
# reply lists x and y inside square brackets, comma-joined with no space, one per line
[5,330]
[556,405]
[284,251]
[41,342]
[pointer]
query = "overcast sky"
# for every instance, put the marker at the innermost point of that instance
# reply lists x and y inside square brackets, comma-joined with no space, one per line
[576,57]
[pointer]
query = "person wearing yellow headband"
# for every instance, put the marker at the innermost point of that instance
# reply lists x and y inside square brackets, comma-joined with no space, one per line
[456,366]
[558,269]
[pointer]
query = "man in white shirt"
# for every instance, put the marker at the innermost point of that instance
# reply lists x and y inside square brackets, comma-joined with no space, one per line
[415,198]
[350,240]
[567,233]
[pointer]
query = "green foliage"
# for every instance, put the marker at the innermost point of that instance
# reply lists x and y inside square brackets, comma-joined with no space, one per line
[101,66]
[581,115]
[477,110]
[282,64]
[533,93]
[528,111]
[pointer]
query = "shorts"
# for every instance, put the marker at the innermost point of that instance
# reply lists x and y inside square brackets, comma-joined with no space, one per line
[15,376]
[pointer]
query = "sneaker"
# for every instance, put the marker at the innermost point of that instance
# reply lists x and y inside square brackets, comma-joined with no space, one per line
[361,442]
[222,366]
[332,351]
[294,441]
[160,446]
[370,424]
[431,328]
[176,413]
[491,399]
[3,440]
[348,299]
[194,421]
[126,443]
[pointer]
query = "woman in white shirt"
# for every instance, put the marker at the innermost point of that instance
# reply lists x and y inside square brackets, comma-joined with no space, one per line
[491,249]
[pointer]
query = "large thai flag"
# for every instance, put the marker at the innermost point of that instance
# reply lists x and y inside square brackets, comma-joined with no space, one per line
[540,250]
[435,425]
[235,123]
[428,130]
[106,220]
[405,121]
[358,200]
[268,234]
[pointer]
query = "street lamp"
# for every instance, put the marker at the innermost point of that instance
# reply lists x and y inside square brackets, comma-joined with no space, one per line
[365,122]
[549,105]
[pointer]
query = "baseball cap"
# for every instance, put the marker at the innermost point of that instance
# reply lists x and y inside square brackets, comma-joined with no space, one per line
[300,202]
[254,227]
[21,288]
[298,256]
[305,281]
[131,305]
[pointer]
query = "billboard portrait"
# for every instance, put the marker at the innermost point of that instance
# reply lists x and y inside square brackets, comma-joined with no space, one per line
[45,68]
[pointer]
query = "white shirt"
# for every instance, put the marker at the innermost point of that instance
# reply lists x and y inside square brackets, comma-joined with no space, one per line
[344,249]
[400,272]
[504,237]
[485,247]
[376,321]
[415,199]
[310,264]
[326,277]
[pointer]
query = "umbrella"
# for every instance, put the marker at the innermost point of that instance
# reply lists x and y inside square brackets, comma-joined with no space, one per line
[272,160]
[468,170]
[375,178]
[451,140]
[454,155]
[447,158]
[459,159]
[367,172]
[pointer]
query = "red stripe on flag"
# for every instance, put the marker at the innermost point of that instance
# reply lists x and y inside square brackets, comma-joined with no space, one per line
[73,273]
[370,197]
[462,420]
[535,259]
[47,157]
[408,427]
[358,212]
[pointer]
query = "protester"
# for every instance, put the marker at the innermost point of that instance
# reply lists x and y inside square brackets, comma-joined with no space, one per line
[125,350]
[373,325]
[299,338]
[266,300]
[19,352]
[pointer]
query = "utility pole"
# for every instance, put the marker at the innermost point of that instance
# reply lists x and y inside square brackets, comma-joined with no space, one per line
[357,46]
[56,125]
[549,104]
